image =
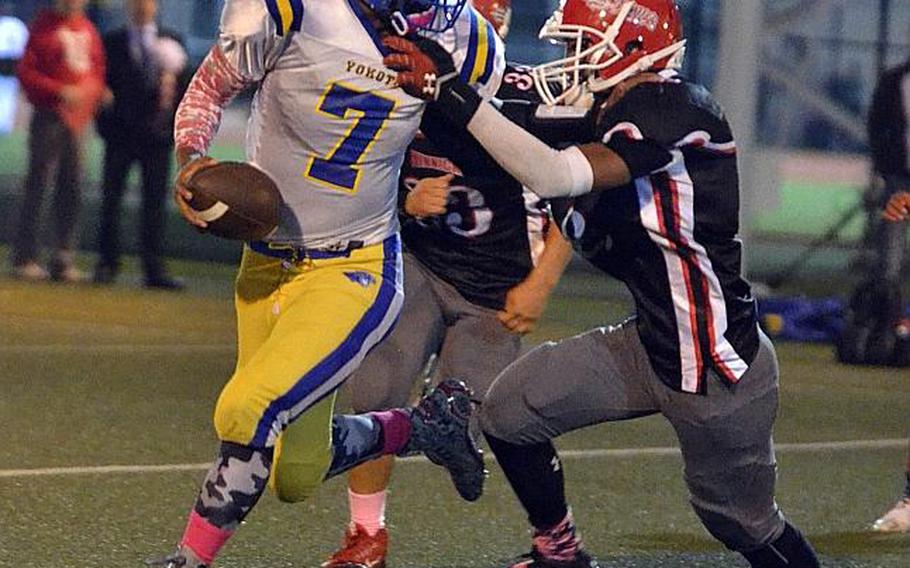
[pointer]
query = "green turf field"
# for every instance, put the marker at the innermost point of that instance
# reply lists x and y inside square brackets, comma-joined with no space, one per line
[93,377]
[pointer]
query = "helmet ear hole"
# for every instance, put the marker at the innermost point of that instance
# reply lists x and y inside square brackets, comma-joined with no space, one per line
[632,46]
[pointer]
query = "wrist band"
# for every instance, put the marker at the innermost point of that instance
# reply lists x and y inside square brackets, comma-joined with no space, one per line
[458,101]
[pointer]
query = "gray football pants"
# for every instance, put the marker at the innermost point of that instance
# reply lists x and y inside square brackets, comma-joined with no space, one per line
[472,345]
[604,375]
[52,147]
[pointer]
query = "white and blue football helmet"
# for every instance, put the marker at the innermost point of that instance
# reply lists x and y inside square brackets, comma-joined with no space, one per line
[433,16]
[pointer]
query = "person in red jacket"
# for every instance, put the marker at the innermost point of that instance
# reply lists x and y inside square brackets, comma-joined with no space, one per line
[62,73]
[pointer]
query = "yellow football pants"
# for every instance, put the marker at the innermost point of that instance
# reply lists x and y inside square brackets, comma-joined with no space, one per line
[302,328]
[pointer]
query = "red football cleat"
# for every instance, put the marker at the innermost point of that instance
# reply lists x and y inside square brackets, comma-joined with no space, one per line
[360,550]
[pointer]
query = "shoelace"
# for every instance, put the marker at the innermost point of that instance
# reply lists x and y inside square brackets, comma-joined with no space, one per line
[354,549]
[559,543]
[172,561]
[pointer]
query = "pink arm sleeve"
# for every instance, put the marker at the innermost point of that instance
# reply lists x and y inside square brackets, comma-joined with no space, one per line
[215,84]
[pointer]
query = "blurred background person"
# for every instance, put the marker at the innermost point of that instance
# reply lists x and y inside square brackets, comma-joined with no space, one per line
[146,75]
[13,37]
[889,130]
[889,137]
[62,73]
[889,141]
[875,330]
[897,519]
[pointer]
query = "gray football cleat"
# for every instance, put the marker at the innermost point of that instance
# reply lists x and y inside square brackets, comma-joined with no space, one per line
[439,430]
[183,558]
[535,559]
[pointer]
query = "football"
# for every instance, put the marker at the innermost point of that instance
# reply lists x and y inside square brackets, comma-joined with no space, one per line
[237,200]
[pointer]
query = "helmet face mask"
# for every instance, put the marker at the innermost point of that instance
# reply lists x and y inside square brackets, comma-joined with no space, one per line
[433,16]
[608,41]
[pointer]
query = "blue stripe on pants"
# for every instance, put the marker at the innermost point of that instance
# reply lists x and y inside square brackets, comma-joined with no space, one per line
[349,348]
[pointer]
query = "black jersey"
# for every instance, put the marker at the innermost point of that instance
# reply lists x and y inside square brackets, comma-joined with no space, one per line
[671,235]
[493,230]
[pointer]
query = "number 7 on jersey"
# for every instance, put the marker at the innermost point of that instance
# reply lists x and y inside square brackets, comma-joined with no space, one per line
[369,112]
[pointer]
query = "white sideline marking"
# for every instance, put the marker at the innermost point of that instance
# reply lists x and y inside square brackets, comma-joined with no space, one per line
[566,454]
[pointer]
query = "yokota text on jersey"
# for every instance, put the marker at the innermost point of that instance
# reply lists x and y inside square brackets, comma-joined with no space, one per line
[327,122]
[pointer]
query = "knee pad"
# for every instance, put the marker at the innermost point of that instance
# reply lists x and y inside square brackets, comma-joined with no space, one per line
[235,418]
[512,421]
[492,419]
[383,381]
[376,394]
[742,515]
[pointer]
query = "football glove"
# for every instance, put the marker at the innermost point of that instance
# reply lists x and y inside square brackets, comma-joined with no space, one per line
[426,71]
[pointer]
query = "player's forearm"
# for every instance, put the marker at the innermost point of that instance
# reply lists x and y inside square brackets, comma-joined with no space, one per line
[199,114]
[553,260]
[545,171]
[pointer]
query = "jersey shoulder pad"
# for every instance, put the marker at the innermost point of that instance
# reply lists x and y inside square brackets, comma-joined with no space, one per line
[287,15]
[666,113]
[478,53]
[252,33]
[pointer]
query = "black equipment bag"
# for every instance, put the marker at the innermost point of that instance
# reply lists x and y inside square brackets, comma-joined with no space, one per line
[874,332]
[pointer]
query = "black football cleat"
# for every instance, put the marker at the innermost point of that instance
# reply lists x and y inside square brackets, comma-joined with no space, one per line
[439,430]
[164,282]
[535,559]
[104,274]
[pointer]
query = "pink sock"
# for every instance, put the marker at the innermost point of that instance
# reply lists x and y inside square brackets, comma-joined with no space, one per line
[204,538]
[396,429]
[560,542]
[368,510]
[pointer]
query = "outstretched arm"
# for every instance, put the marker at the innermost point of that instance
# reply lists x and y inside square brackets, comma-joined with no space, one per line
[427,71]
[544,170]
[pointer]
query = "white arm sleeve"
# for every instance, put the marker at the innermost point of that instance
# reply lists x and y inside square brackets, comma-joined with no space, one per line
[542,169]
[249,38]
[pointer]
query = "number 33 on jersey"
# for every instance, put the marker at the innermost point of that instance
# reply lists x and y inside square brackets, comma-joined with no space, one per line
[328,123]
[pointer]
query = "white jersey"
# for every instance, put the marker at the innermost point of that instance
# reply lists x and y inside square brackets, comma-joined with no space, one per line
[328,123]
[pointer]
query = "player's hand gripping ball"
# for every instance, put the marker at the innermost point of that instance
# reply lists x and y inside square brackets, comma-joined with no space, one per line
[423,65]
[234,200]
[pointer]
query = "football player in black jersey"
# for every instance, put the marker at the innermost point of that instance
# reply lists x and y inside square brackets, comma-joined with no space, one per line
[657,204]
[479,267]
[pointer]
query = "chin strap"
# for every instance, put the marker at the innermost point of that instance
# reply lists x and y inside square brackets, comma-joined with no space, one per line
[400,23]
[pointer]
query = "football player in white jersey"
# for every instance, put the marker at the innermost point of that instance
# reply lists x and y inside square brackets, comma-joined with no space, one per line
[330,125]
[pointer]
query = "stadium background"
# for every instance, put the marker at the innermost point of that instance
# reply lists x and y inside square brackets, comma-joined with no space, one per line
[104,391]
[802,77]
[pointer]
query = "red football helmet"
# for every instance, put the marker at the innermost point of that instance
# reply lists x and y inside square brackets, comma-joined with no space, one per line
[608,41]
[497,12]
